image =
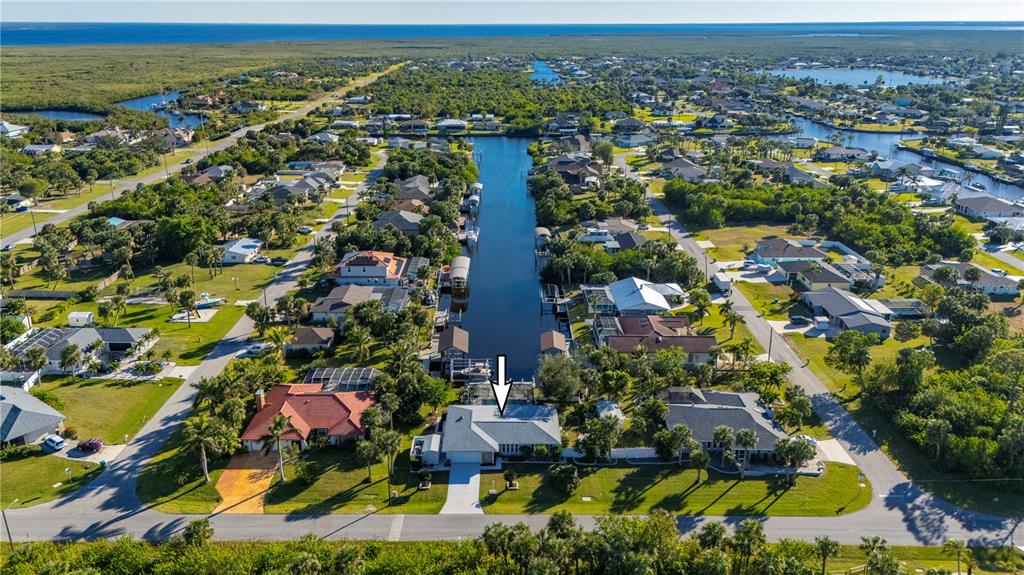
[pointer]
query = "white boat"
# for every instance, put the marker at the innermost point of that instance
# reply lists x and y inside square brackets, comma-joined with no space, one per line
[206,301]
[976,187]
[472,235]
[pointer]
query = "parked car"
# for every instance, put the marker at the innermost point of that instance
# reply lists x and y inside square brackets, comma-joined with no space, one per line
[261,260]
[747,264]
[763,268]
[279,261]
[800,320]
[54,442]
[256,349]
[999,272]
[306,230]
[93,445]
[808,439]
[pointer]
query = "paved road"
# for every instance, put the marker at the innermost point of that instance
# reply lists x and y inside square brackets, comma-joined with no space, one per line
[201,151]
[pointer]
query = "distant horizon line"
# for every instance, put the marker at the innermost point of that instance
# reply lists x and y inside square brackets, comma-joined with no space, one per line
[538,24]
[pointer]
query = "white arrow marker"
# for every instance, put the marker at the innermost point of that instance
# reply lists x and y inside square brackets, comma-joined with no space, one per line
[501,386]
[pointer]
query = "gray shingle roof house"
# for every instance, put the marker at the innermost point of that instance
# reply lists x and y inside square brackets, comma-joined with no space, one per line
[988,283]
[814,275]
[702,411]
[406,222]
[987,207]
[845,310]
[23,418]
[335,304]
[479,433]
[774,250]
[115,341]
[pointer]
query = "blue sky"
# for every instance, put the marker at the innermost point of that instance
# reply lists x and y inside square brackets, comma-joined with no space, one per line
[505,11]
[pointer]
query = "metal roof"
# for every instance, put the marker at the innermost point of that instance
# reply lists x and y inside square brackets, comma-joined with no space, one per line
[336,379]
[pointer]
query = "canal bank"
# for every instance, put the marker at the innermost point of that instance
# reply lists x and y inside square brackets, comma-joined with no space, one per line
[503,314]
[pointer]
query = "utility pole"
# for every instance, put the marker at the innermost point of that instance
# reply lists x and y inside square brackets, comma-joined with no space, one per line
[7,527]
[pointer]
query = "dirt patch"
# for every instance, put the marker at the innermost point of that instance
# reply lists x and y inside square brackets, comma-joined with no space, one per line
[244,482]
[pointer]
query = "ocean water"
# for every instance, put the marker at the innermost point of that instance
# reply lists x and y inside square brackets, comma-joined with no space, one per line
[61,33]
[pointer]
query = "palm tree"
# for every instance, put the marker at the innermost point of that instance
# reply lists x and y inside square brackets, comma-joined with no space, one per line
[724,438]
[825,548]
[207,391]
[403,354]
[187,300]
[700,459]
[747,440]
[192,258]
[367,452]
[208,436]
[956,548]
[388,442]
[278,337]
[70,357]
[35,358]
[360,340]
[731,319]
[272,440]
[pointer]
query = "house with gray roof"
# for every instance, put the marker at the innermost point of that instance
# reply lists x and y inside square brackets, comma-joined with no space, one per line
[337,303]
[406,222]
[838,310]
[25,419]
[702,411]
[481,434]
[775,250]
[113,343]
[987,282]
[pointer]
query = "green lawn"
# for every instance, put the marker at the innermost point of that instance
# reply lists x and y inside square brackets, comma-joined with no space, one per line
[921,559]
[989,261]
[88,404]
[34,478]
[341,486]
[729,241]
[714,324]
[248,283]
[188,345]
[76,281]
[620,490]
[173,481]
[762,296]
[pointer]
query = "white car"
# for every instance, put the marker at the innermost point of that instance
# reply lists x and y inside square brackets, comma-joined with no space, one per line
[999,272]
[808,439]
[54,442]
[261,260]
[256,349]
[305,230]
[747,264]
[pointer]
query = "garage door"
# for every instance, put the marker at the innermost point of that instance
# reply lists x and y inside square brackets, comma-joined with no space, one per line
[464,457]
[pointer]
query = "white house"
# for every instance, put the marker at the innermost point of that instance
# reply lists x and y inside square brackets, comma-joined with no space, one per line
[242,250]
[81,319]
[634,296]
[9,130]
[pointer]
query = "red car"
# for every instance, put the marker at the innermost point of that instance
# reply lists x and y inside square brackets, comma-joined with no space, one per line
[93,445]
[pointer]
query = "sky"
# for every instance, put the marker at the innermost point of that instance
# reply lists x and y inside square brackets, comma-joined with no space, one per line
[508,12]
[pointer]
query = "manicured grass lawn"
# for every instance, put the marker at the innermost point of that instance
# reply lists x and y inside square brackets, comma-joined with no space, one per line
[173,481]
[969,226]
[763,294]
[88,404]
[251,279]
[188,345]
[729,241]
[76,281]
[921,559]
[621,490]
[715,325]
[31,479]
[989,261]
[581,332]
[657,186]
[341,486]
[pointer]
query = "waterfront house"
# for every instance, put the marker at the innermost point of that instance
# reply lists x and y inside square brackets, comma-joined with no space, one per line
[414,127]
[634,296]
[24,419]
[242,250]
[481,433]
[406,222]
[61,137]
[452,125]
[314,412]
[337,303]
[654,333]
[983,207]
[453,344]
[370,268]
[842,154]
[416,187]
[987,282]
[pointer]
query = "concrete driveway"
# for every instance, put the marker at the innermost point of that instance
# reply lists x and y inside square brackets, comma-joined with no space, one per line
[244,481]
[463,490]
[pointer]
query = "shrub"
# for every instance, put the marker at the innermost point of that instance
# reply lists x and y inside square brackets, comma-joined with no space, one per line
[564,478]
[70,432]
[425,475]
[304,472]
[197,532]
[49,398]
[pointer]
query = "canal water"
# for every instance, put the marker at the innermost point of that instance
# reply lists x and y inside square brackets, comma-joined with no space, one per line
[503,315]
[69,115]
[885,145]
[543,73]
[146,103]
[857,76]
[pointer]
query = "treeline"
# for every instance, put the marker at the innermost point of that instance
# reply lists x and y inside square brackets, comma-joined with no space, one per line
[847,212]
[557,205]
[574,262]
[618,546]
[433,91]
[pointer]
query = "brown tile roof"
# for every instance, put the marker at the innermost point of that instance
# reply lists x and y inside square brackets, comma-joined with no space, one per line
[454,337]
[553,340]
[309,408]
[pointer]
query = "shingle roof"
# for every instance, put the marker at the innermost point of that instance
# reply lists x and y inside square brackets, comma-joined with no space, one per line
[553,340]
[482,427]
[454,337]
[313,336]
[21,414]
[703,419]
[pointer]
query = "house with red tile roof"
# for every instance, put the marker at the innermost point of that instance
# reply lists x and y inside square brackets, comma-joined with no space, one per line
[312,412]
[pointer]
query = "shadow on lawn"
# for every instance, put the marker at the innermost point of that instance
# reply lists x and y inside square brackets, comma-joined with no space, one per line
[631,488]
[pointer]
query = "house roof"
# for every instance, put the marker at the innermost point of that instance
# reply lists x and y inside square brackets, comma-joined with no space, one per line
[815,272]
[983,204]
[636,294]
[403,220]
[702,419]
[313,336]
[308,407]
[783,248]
[987,279]
[368,259]
[21,413]
[53,339]
[342,378]
[553,340]
[243,246]
[454,337]
[630,240]
[841,303]
[483,428]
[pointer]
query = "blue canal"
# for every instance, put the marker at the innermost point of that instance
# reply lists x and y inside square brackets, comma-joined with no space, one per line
[542,72]
[857,76]
[503,315]
[174,120]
